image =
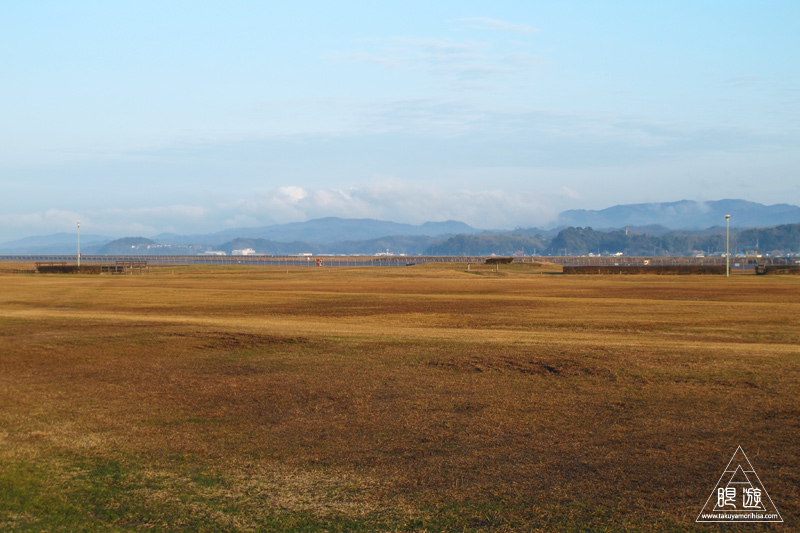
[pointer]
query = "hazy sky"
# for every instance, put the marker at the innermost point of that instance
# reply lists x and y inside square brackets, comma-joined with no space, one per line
[140,117]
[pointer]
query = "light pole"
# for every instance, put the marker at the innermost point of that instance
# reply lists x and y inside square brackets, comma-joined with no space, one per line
[79,245]
[727,246]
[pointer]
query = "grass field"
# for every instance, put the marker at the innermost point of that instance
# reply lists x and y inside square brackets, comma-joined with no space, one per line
[422,398]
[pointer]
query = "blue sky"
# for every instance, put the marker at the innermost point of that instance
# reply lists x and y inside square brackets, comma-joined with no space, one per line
[188,116]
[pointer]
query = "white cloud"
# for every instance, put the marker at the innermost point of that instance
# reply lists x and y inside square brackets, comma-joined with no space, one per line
[49,216]
[291,193]
[459,61]
[384,198]
[389,199]
[496,24]
[568,194]
[37,223]
[148,221]
[145,221]
[142,213]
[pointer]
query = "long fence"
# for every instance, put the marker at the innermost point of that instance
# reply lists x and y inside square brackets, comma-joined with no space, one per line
[389,261]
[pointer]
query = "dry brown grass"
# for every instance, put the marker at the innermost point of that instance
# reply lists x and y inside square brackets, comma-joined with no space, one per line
[420,398]
[8,267]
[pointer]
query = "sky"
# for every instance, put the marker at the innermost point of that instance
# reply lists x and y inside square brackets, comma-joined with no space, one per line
[142,117]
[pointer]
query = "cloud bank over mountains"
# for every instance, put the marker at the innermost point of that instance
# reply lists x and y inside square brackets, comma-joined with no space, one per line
[391,201]
[384,199]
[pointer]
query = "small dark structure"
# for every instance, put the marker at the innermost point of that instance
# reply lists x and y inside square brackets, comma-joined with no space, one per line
[64,268]
[499,260]
[782,269]
[119,267]
[124,267]
[40,264]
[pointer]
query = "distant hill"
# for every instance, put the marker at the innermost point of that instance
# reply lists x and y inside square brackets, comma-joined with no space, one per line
[582,241]
[328,235]
[488,244]
[57,243]
[784,237]
[685,214]
[126,245]
[779,240]
[325,230]
[143,246]
[267,247]
[409,245]
[672,228]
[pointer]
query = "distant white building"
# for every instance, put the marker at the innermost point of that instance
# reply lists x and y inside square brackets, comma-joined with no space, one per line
[246,251]
[211,252]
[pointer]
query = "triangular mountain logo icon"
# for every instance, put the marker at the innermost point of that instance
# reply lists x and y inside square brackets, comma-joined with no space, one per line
[739,495]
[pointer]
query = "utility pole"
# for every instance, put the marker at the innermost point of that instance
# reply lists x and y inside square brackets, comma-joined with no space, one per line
[79,245]
[727,246]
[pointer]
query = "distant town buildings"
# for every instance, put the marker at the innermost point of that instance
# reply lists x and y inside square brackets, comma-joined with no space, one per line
[750,251]
[246,251]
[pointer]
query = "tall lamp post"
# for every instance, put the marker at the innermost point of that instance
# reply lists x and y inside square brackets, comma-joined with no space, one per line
[727,246]
[79,245]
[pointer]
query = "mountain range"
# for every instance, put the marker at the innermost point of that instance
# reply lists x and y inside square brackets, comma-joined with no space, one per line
[323,230]
[57,243]
[369,236]
[685,214]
